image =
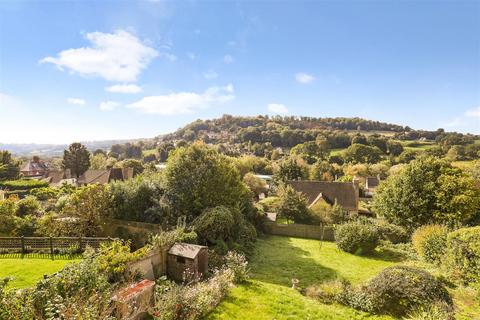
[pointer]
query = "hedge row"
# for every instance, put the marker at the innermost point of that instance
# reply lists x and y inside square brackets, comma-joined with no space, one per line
[22,184]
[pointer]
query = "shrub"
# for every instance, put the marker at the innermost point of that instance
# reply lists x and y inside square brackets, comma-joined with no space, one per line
[269,204]
[433,312]
[193,301]
[356,237]
[292,205]
[391,232]
[44,193]
[398,290]
[23,184]
[327,292]
[215,224]
[27,206]
[238,264]
[463,254]
[430,242]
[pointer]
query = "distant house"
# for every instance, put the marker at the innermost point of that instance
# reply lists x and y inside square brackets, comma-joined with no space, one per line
[105,176]
[346,194]
[34,168]
[371,183]
[58,178]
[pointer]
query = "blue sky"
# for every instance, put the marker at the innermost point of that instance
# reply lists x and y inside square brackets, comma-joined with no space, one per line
[95,70]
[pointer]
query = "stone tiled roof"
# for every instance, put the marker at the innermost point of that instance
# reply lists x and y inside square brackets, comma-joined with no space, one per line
[344,193]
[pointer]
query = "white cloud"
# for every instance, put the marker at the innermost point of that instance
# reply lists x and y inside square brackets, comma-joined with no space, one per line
[168,56]
[108,105]
[191,55]
[76,101]
[210,75]
[184,102]
[124,88]
[473,113]
[118,56]
[228,59]
[304,78]
[277,108]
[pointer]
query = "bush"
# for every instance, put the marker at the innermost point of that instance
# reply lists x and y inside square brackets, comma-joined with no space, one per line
[433,312]
[23,184]
[238,264]
[463,254]
[356,237]
[430,243]
[269,204]
[398,290]
[292,205]
[215,224]
[27,206]
[391,232]
[327,292]
[44,193]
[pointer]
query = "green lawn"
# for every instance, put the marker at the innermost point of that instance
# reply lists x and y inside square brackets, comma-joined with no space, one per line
[29,270]
[279,259]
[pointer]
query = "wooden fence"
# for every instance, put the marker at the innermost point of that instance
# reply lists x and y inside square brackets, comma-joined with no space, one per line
[52,245]
[301,231]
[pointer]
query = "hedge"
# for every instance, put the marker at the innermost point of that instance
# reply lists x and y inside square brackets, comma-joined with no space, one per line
[23,184]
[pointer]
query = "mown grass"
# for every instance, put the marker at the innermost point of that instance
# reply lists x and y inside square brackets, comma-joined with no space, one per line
[279,259]
[30,269]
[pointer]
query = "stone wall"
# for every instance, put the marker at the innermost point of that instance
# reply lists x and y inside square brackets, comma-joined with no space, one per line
[137,232]
[152,266]
[300,230]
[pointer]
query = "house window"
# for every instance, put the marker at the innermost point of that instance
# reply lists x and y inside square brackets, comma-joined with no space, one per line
[180,259]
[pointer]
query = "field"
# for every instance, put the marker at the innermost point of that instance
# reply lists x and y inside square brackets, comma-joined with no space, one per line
[279,259]
[29,270]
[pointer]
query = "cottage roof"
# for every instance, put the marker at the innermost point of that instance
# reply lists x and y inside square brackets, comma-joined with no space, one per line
[94,176]
[34,166]
[344,193]
[55,176]
[187,250]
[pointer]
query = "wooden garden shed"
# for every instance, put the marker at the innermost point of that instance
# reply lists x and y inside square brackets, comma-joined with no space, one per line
[187,260]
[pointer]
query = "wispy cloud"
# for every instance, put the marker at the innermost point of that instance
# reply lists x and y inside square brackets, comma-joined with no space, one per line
[76,101]
[473,113]
[124,88]
[108,105]
[277,108]
[304,78]
[184,102]
[228,59]
[210,75]
[119,56]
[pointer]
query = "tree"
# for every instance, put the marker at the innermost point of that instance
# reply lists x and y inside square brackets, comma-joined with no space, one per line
[131,163]
[322,171]
[99,161]
[9,167]
[312,151]
[198,177]
[255,184]
[395,148]
[359,153]
[292,205]
[291,169]
[427,191]
[87,207]
[77,159]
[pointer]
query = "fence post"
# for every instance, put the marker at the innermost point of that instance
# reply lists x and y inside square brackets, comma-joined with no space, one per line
[23,245]
[51,246]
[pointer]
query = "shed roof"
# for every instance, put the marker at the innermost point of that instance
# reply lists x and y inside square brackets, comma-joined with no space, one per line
[372,182]
[344,192]
[186,250]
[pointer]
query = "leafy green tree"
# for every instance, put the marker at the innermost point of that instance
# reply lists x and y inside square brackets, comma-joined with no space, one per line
[394,148]
[292,205]
[198,177]
[291,169]
[137,165]
[99,161]
[427,191]
[86,208]
[9,167]
[359,153]
[77,159]
[378,141]
[322,171]
[312,151]
[255,184]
